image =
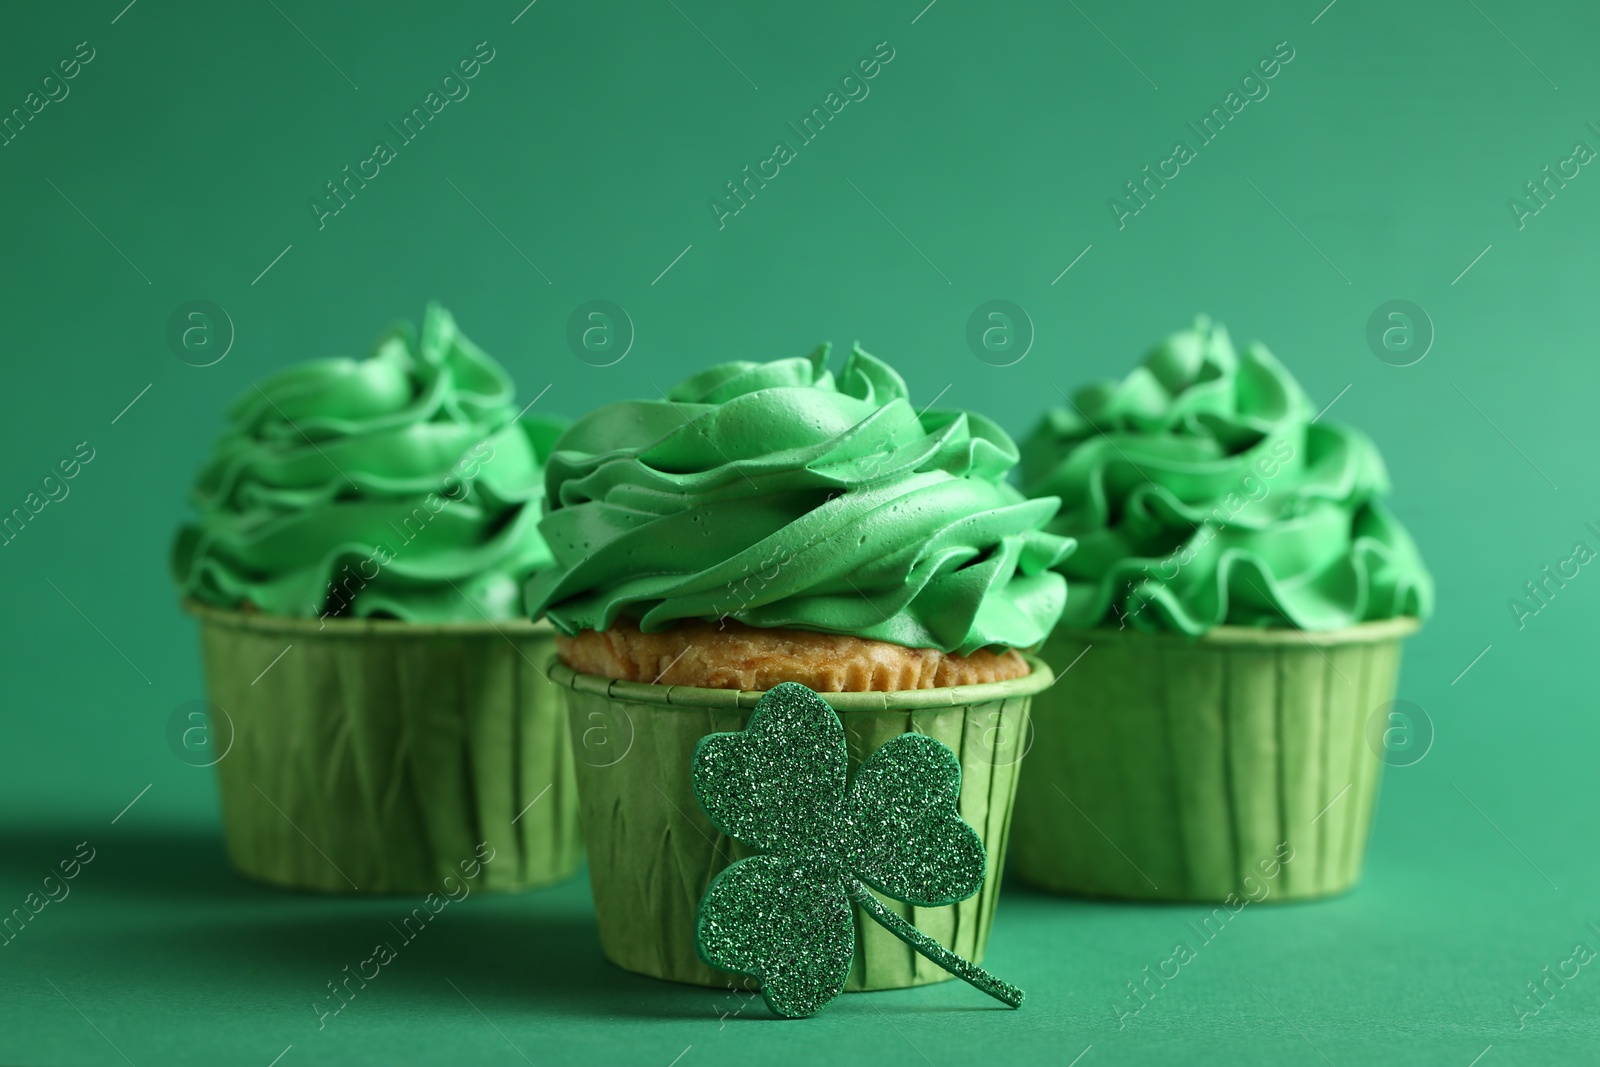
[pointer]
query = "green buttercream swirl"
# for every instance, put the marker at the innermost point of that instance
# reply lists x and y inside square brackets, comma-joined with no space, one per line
[777,495]
[1201,492]
[400,485]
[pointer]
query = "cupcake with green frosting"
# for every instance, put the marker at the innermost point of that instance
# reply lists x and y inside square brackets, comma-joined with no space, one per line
[1234,615]
[381,716]
[770,522]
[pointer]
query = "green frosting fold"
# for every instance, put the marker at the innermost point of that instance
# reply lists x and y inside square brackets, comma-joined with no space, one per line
[400,485]
[1201,492]
[777,495]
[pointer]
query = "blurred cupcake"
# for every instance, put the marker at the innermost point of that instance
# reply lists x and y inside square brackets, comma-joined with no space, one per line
[767,522]
[1234,616]
[365,529]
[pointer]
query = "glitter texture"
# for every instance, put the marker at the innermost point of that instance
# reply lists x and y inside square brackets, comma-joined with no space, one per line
[779,785]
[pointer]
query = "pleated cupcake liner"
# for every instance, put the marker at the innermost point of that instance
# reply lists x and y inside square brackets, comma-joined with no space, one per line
[1175,768]
[383,757]
[652,851]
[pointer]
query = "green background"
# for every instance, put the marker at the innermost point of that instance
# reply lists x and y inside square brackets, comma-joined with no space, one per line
[979,167]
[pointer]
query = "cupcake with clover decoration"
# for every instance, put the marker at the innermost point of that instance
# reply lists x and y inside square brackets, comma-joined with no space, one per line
[381,717]
[1232,632]
[764,523]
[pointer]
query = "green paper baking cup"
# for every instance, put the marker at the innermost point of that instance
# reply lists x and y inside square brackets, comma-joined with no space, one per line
[378,756]
[653,852]
[1166,767]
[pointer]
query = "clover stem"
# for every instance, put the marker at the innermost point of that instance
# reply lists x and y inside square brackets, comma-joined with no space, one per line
[970,973]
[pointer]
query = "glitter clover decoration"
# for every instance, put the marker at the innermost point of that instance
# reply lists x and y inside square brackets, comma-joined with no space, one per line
[779,786]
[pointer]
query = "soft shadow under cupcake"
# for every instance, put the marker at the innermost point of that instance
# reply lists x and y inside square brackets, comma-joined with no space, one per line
[170,863]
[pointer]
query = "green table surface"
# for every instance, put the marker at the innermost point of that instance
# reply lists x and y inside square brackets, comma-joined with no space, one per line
[1382,166]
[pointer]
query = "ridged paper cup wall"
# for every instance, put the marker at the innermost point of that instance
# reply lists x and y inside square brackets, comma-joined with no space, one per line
[1173,768]
[652,851]
[382,756]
